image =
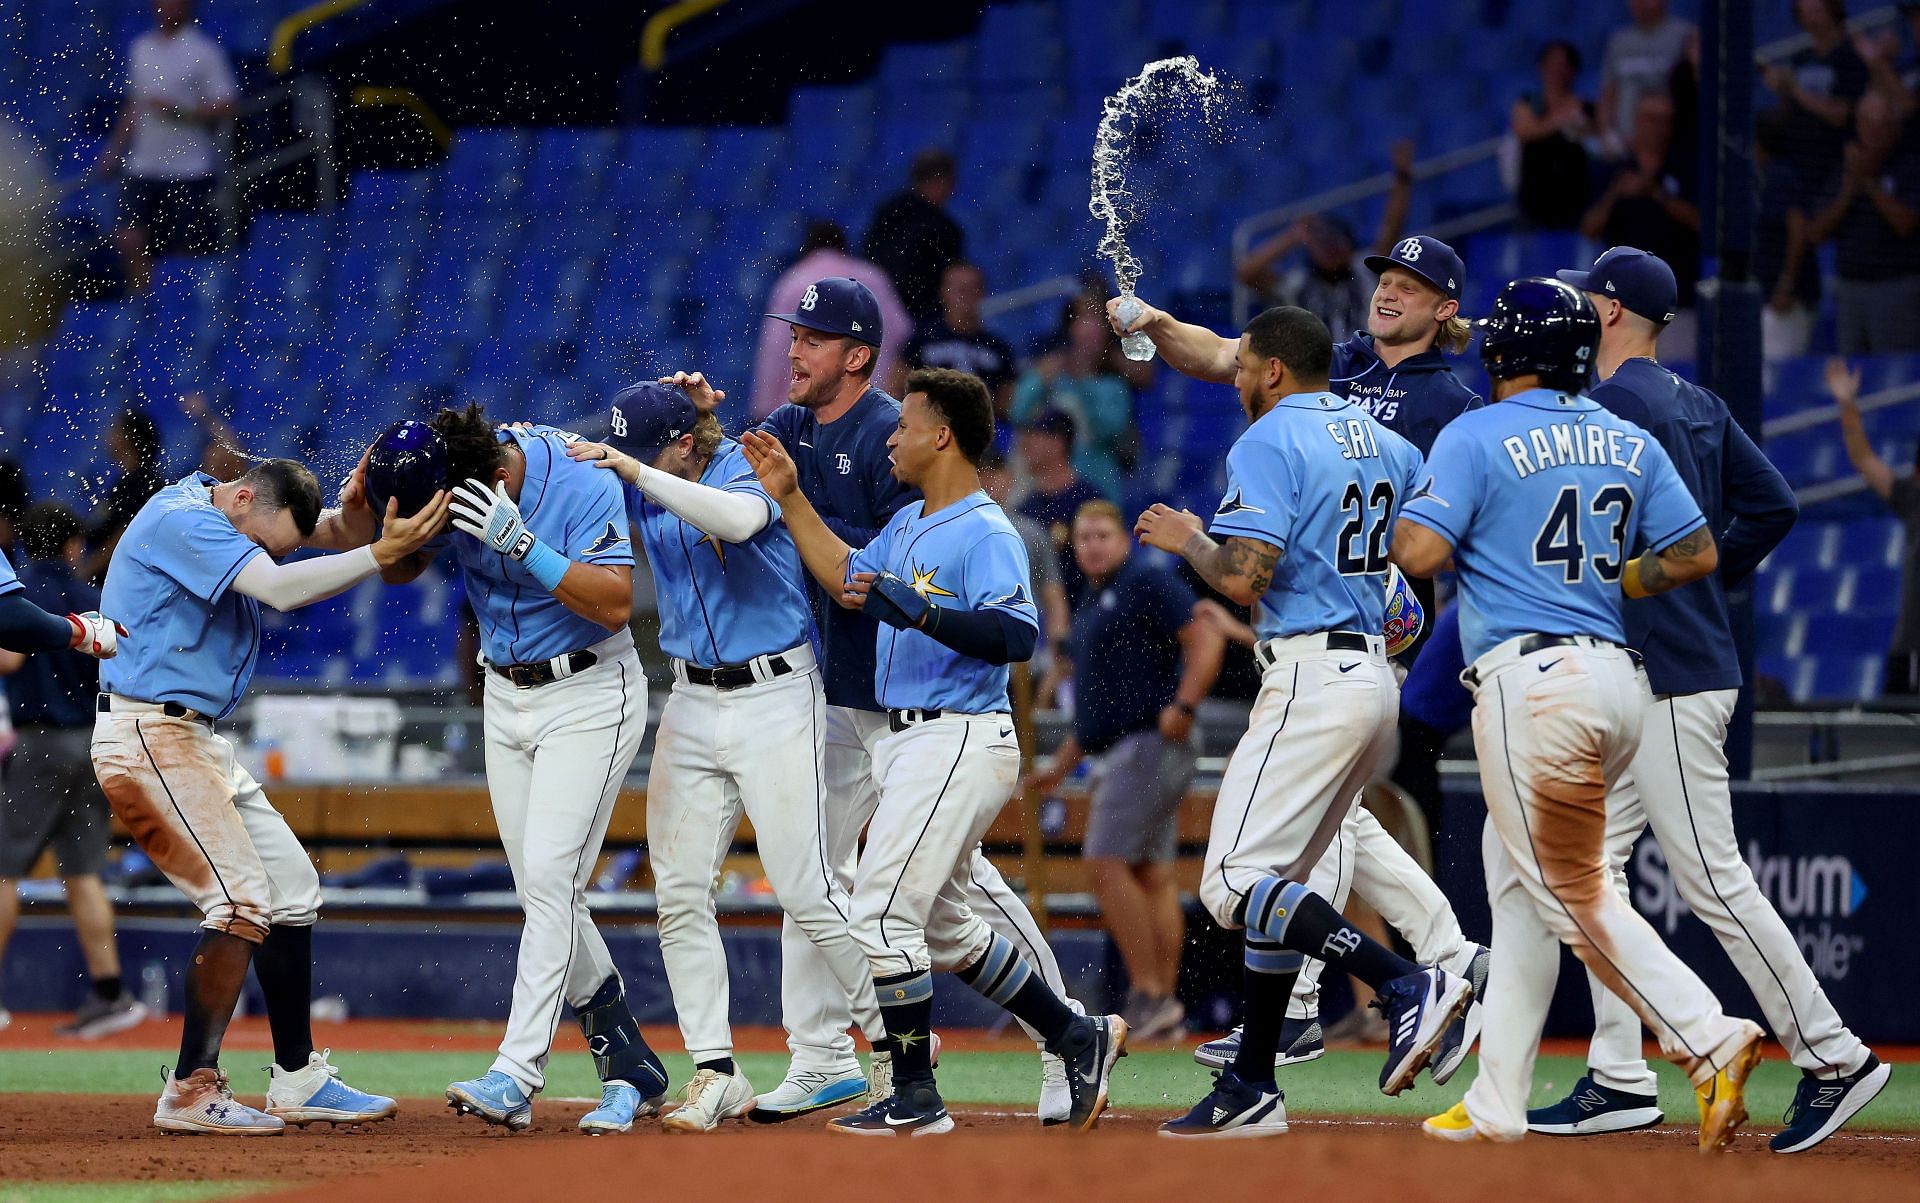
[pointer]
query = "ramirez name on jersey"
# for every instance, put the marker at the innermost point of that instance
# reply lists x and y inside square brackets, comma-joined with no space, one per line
[1573,442]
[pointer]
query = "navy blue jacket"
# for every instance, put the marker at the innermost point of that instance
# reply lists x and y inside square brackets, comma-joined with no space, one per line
[57,688]
[1414,398]
[1685,635]
[844,471]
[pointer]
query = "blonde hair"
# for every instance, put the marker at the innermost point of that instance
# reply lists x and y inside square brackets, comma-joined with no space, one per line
[1099,507]
[1455,333]
[708,434]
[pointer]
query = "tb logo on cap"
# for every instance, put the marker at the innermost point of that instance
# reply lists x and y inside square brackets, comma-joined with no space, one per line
[812,298]
[1409,250]
[619,423]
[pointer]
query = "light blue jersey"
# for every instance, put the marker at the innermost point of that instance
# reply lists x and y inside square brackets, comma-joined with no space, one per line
[1545,497]
[9,579]
[572,507]
[723,603]
[1319,478]
[190,638]
[967,556]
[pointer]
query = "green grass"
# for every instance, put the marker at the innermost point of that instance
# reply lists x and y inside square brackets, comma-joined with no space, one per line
[124,1192]
[1341,1083]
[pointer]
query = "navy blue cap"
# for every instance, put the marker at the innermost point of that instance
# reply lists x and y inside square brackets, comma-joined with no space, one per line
[838,305]
[1640,281]
[1427,257]
[648,418]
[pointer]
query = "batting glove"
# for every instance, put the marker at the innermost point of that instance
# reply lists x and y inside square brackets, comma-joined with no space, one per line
[900,603]
[490,516]
[96,635]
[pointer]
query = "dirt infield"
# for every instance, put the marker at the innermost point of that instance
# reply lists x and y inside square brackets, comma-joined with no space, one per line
[427,1153]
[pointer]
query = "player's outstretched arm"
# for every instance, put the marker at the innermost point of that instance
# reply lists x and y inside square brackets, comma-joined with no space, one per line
[823,552]
[26,628]
[727,516]
[1687,559]
[1241,568]
[1419,550]
[287,587]
[1188,349]
[350,523]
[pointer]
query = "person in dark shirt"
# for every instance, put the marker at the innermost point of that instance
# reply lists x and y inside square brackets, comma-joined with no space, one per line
[1649,200]
[914,238]
[1046,446]
[1554,127]
[50,798]
[959,340]
[133,443]
[1818,86]
[1142,662]
[1783,256]
[1902,496]
[1871,213]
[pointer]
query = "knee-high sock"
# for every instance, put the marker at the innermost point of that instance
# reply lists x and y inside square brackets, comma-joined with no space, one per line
[283,965]
[214,978]
[1295,917]
[1270,973]
[906,1007]
[1005,977]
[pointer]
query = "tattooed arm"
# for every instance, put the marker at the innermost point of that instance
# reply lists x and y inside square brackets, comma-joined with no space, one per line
[1240,568]
[1687,559]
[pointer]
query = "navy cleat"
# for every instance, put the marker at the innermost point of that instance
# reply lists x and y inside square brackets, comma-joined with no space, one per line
[1821,1105]
[1301,1041]
[1090,1069]
[914,1109]
[1464,1032]
[1595,1110]
[1419,1008]
[1235,1110]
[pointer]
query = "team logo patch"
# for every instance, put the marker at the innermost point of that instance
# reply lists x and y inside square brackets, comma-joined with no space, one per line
[924,585]
[843,463]
[1233,503]
[719,548]
[609,539]
[1017,600]
[1425,493]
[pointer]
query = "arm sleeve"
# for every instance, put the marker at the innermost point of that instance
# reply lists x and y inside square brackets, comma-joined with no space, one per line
[25,627]
[1260,502]
[290,586]
[599,532]
[993,635]
[733,513]
[1450,491]
[1667,510]
[199,549]
[1760,501]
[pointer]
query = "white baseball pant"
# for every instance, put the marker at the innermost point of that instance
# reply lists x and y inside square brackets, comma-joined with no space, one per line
[716,753]
[811,1002]
[1679,784]
[1553,729]
[556,757]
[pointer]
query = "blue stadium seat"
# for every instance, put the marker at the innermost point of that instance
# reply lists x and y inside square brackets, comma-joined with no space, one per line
[1847,678]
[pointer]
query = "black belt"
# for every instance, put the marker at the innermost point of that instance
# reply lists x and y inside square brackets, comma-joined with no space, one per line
[530,676]
[1337,641]
[900,720]
[734,676]
[1540,643]
[104,704]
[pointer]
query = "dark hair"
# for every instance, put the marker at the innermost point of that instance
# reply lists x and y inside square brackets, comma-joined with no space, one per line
[961,400]
[1296,338]
[285,484]
[933,163]
[823,234]
[1573,53]
[48,528]
[473,451]
[140,431]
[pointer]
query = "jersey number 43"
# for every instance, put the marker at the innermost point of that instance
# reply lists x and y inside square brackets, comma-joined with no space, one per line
[1559,540]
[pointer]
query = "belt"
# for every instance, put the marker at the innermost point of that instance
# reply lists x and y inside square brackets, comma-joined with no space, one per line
[736,676]
[900,720]
[1336,641]
[546,672]
[1529,644]
[109,703]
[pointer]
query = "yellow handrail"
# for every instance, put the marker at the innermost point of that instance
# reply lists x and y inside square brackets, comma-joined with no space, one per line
[280,48]
[368,96]
[653,36]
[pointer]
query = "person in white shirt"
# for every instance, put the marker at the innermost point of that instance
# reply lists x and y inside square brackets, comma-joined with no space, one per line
[180,87]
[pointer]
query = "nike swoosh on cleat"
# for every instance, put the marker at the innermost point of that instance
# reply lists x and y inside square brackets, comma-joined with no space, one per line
[901,1123]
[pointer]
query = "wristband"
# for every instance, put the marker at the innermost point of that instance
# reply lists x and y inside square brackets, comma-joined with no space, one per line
[1630,580]
[1185,708]
[545,565]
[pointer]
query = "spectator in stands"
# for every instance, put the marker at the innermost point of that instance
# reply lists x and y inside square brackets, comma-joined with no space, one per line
[1902,495]
[1057,491]
[1872,216]
[1648,202]
[1142,661]
[823,254]
[1892,67]
[224,456]
[133,443]
[180,88]
[1818,87]
[1043,562]
[1079,381]
[958,339]
[1783,259]
[914,238]
[51,799]
[1553,128]
[1334,283]
[1640,59]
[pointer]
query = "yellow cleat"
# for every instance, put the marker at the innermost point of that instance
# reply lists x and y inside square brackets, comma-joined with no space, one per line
[1453,1124]
[1723,1104]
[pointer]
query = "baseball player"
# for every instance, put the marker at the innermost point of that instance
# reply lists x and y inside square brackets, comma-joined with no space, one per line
[1540,501]
[836,428]
[1312,487]
[1394,369]
[742,729]
[196,564]
[1678,779]
[544,551]
[949,583]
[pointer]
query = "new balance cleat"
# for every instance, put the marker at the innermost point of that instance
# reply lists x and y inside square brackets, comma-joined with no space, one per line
[805,1091]
[1419,1008]
[1233,1110]
[1464,1032]
[314,1093]
[914,1109]
[1821,1105]
[1595,1110]
[1453,1125]
[496,1098]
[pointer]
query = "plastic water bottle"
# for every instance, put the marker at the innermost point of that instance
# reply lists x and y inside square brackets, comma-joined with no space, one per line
[1136,346]
[153,987]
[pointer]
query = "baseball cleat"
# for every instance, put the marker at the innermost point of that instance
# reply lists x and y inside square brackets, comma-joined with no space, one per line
[98,1017]
[1419,1008]
[914,1110]
[1821,1105]
[496,1098]
[1090,1068]
[1595,1110]
[1300,1042]
[880,1069]
[1464,1032]
[1722,1097]
[711,1098]
[1234,1110]
[315,1094]
[1056,1098]
[1453,1125]
[620,1104]
[805,1091]
[203,1104]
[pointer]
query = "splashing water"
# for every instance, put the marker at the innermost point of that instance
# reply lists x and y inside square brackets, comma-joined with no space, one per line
[1158,89]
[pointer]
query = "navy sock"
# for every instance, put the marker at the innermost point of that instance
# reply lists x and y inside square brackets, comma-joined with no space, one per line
[1270,971]
[1295,917]
[283,965]
[1002,975]
[906,1007]
[214,978]
[108,988]
[722,1065]
[620,1052]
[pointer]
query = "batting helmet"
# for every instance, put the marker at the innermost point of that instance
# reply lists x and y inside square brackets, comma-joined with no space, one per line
[408,462]
[1541,327]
